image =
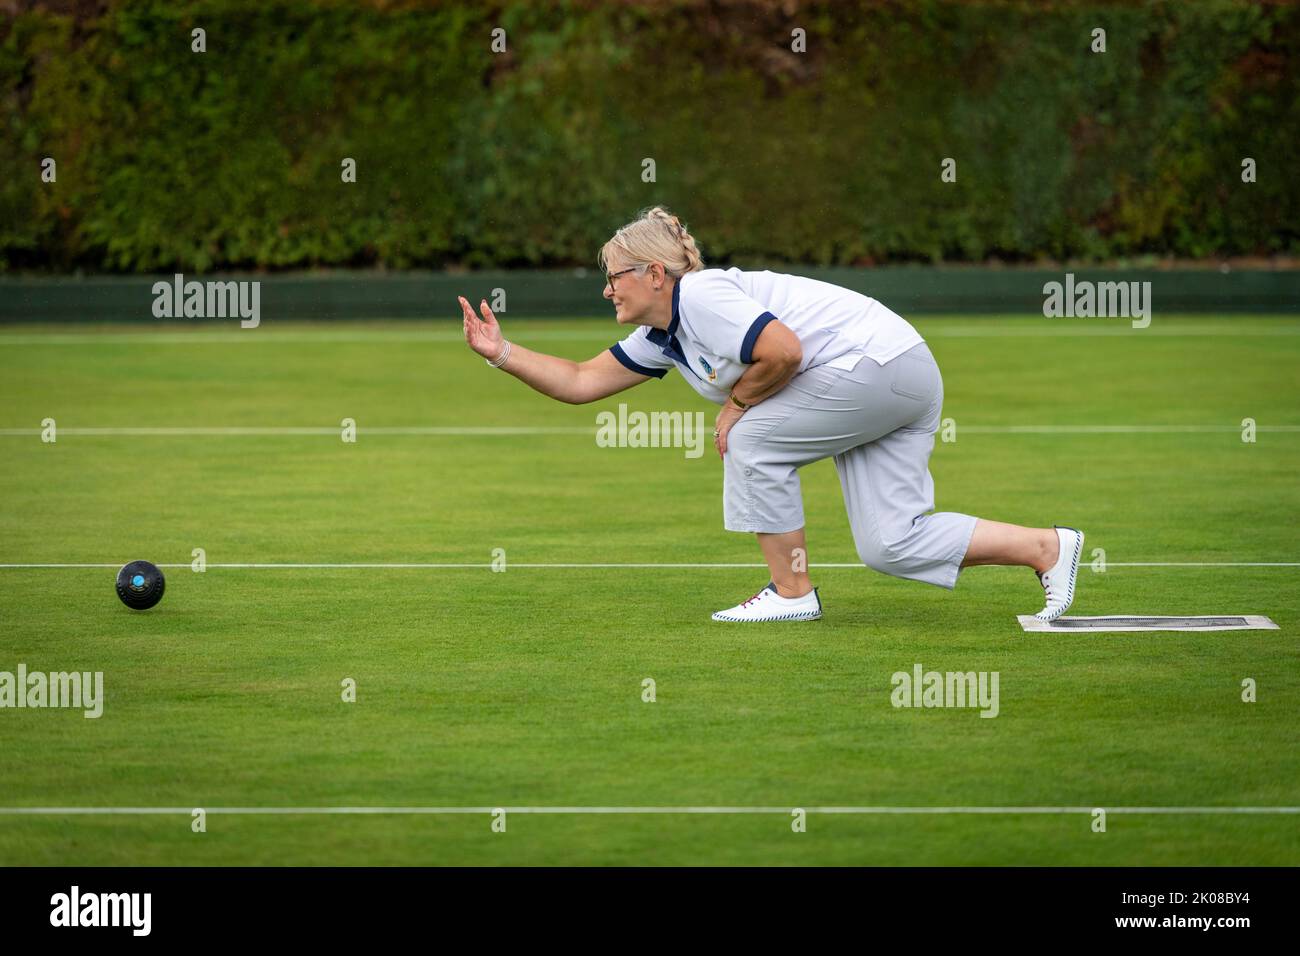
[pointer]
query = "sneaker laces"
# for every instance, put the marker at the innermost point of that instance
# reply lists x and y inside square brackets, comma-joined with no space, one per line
[753,599]
[1047,588]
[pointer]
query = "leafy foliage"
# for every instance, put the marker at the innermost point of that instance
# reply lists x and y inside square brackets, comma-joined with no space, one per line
[170,159]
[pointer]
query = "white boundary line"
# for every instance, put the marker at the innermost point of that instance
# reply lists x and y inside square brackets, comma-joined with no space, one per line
[336,431]
[901,811]
[433,565]
[1203,564]
[323,336]
[1113,429]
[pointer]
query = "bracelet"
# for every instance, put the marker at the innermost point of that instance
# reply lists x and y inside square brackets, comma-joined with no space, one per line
[739,404]
[501,360]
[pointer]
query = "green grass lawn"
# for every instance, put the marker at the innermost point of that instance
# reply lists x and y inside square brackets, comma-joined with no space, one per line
[523,688]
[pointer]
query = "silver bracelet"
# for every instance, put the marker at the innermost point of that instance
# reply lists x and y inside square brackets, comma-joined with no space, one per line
[505,354]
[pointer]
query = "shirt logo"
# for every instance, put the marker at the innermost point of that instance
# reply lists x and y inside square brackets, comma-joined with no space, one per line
[713,376]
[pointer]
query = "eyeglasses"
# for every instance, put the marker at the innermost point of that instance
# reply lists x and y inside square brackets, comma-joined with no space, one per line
[611,276]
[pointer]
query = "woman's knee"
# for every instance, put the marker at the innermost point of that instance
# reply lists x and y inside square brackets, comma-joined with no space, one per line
[877,554]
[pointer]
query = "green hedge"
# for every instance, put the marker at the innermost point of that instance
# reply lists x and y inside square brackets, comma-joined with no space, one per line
[169,159]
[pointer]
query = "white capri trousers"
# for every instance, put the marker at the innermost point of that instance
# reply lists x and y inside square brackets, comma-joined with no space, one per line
[879,424]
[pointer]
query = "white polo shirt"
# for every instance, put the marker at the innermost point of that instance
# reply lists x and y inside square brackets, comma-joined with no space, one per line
[719,313]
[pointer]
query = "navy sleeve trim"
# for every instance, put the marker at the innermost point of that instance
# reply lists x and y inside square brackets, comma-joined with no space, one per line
[747,346]
[631,366]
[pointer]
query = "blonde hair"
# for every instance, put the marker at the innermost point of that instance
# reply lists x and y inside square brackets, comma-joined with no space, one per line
[656,235]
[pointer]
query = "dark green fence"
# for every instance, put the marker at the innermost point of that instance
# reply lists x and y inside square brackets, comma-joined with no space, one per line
[563,293]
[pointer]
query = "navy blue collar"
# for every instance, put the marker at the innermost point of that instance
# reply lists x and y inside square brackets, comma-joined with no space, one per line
[659,336]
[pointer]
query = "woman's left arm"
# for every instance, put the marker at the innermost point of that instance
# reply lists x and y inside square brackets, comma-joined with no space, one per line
[777,355]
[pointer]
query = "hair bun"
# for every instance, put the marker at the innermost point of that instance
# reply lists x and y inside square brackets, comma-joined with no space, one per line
[646,240]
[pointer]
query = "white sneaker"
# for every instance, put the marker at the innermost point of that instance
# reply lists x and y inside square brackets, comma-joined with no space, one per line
[1058,580]
[767,605]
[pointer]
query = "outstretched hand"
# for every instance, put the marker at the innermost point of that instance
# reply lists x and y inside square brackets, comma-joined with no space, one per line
[482,335]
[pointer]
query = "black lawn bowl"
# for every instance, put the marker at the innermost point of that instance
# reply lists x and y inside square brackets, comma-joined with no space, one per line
[140,585]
